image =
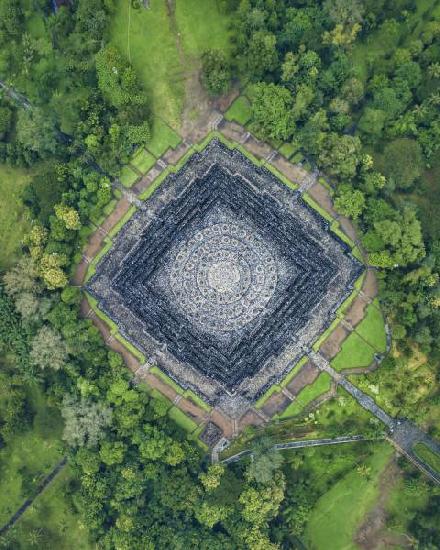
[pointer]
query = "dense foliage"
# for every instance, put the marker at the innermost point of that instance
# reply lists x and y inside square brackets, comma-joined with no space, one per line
[355,86]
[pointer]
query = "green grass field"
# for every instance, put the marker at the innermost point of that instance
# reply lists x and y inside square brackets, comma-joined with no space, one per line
[13,220]
[307,395]
[372,328]
[162,139]
[164,47]
[239,111]
[146,38]
[29,456]
[340,511]
[128,176]
[182,420]
[355,353]
[202,26]
[143,161]
[425,453]
[51,522]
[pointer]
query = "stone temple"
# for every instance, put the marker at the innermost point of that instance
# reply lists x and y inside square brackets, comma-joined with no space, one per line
[224,278]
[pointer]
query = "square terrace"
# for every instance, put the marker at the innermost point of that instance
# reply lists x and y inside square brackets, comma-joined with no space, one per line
[224,278]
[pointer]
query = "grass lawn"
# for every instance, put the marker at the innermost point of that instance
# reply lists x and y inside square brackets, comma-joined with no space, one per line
[425,453]
[149,39]
[339,512]
[165,378]
[239,111]
[128,176]
[202,26]
[29,456]
[307,395]
[143,161]
[355,352]
[51,522]
[372,328]
[341,415]
[13,221]
[182,420]
[404,501]
[162,139]
[146,38]
[287,149]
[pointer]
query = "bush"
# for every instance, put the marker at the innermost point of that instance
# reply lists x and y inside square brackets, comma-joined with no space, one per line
[216,72]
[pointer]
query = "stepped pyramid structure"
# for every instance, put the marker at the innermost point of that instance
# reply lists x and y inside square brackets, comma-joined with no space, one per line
[225,277]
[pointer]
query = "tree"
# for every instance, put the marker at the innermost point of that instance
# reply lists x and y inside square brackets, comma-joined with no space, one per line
[27,305]
[353,90]
[112,452]
[22,278]
[261,55]
[403,162]
[36,132]
[349,202]
[216,72]
[211,479]
[51,272]
[85,421]
[395,242]
[5,121]
[272,111]
[340,155]
[372,122]
[11,17]
[260,504]
[117,79]
[345,12]
[265,461]
[68,215]
[48,350]
[211,513]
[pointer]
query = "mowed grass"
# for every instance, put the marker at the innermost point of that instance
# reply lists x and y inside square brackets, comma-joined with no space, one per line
[240,111]
[307,395]
[128,176]
[13,220]
[339,512]
[143,161]
[163,138]
[146,38]
[202,26]
[355,353]
[182,420]
[431,458]
[51,522]
[372,328]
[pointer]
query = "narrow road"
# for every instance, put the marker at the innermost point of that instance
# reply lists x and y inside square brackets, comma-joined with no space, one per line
[299,445]
[28,502]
